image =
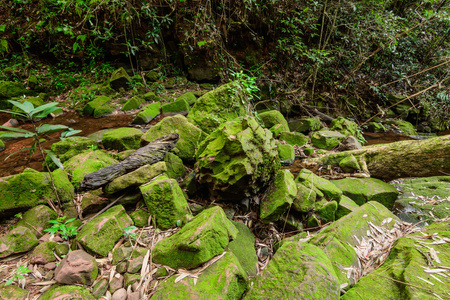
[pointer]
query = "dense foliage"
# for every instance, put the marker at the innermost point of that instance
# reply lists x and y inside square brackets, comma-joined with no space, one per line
[344,55]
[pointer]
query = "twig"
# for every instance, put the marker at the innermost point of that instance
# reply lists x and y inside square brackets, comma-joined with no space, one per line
[446,62]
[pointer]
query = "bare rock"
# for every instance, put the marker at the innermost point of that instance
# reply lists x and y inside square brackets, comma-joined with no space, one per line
[77,267]
[120,294]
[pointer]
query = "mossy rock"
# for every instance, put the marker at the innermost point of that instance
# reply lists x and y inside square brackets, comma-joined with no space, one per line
[206,236]
[101,233]
[189,97]
[18,240]
[152,76]
[69,147]
[43,253]
[224,279]
[347,128]
[349,164]
[151,97]
[23,191]
[133,103]
[98,103]
[362,190]
[218,106]
[374,127]
[140,218]
[305,199]
[405,126]
[166,202]
[309,179]
[293,138]
[272,118]
[67,292]
[279,197]
[326,139]
[176,107]
[119,78]
[297,271]
[12,292]
[136,178]
[36,219]
[327,211]
[277,130]
[305,125]
[286,153]
[121,139]
[190,135]
[243,247]
[237,159]
[85,163]
[175,167]
[10,89]
[346,206]
[147,113]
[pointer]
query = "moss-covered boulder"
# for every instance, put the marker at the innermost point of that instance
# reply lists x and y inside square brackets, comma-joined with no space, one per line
[272,118]
[147,113]
[206,236]
[423,198]
[346,206]
[349,164]
[326,139]
[23,191]
[225,279]
[243,247]
[405,126]
[10,89]
[133,103]
[279,197]
[135,178]
[190,135]
[119,79]
[339,239]
[140,218]
[177,107]
[101,233]
[326,210]
[166,202]
[347,128]
[98,107]
[305,199]
[121,139]
[297,271]
[12,292]
[67,292]
[69,147]
[36,219]
[293,138]
[43,253]
[189,97]
[18,240]
[218,106]
[311,180]
[409,263]
[85,163]
[277,130]
[286,153]
[237,159]
[175,167]
[362,190]
[305,125]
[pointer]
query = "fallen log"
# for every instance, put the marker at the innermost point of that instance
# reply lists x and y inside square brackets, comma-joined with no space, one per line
[430,157]
[147,155]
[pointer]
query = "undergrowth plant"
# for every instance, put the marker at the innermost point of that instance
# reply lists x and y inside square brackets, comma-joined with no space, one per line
[19,273]
[61,226]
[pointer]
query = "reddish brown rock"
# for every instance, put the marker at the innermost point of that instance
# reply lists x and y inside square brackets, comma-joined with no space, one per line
[77,267]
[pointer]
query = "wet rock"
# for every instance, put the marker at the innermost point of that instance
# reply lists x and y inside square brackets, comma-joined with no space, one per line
[190,135]
[121,139]
[101,233]
[36,219]
[218,106]
[272,118]
[225,279]
[77,267]
[135,178]
[147,113]
[67,292]
[166,202]
[362,190]
[279,198]
[31,188]
[297,271]
[237,159]
[204,237]
[326,139]
[12,292]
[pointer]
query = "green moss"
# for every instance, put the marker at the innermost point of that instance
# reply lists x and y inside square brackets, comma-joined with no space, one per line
[272,118]
[404,126]
[36,219]
[121,139]
[12,292]
[147,113]
[2,145]
[175,167]
[305,125]
[133,103]
[189,97]
[309,179]
[243,247]
[347,128]
[179,106]
[166,202]
[327,212]
[293,138]
[96,104]
[43,253]
[349,164]
[204,237]
[119,78]
[326,139]
[68,148]
[9,89]
[286,153]
[67,292]
[346,206]
[18,240]
[140,218]
[305,199]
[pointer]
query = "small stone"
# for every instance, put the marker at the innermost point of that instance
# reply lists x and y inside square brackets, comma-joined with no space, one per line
[120,294]
[77,267]
[50,266]
[116,283]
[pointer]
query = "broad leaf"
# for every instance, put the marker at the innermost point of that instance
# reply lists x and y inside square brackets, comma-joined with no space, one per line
[16,135]
[69,132]
[15,129]
[49,128]
[14,112]
[42,108]
[55,159]
[26,106]
[46,112]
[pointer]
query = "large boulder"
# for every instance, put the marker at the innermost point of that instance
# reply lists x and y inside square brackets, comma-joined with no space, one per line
[166,202]
[237,159]
[190,135]
[224,279]
[297,271]
[30,188]
[218,106]
[206,236]
[122,139]
[101,233]
[409,263]
[362,190]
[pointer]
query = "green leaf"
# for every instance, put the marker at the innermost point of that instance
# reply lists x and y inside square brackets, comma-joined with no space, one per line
[55,159]
[9,281]
[14,112]
[49,128]
[16,135]
[15,129]
[52,105]
[69,132]
[21,150]
[26,106]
